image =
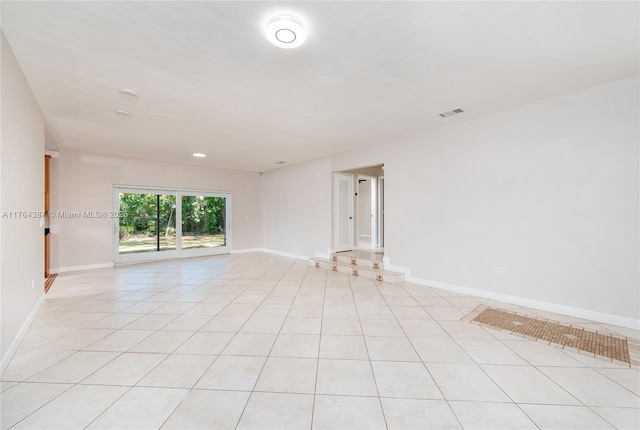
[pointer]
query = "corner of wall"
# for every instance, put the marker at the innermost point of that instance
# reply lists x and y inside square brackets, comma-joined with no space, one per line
[22,146]
[17,340]
[521,301]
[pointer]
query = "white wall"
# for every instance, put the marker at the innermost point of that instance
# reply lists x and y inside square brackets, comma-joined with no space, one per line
[296,204]
[549,191]
[21,189]
[369,171]
[87,181]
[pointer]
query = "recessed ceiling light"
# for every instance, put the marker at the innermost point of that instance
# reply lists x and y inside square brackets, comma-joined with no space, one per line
[122,112]
[199,155]
[280,162]
[285,31]
[128,93]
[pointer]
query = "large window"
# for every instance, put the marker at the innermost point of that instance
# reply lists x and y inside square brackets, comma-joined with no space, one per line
[203,222]
[158,224]
[147,223]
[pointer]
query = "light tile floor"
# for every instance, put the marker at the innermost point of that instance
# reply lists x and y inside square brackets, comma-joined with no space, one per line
[261,341]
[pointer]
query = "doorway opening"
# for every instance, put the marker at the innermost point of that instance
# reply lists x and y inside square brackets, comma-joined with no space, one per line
[358,216]
[366,209]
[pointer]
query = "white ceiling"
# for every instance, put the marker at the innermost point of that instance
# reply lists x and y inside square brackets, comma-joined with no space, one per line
[369,72]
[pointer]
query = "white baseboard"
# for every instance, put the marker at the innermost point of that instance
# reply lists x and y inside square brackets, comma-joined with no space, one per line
[271,251]
[522,301]
[286,254]
[244,251]
[235,251]
[85,267]
[401,269]
[6,359]
[325,256]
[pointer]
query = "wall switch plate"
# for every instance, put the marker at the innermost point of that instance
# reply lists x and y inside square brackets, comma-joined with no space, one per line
[500,271]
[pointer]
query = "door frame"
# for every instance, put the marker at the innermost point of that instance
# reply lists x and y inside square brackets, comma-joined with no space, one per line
[47,201]
[380,209]
[142,257]
[373,209]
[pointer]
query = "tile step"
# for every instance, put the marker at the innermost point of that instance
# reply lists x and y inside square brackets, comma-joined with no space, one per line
[363,262]
[356,270]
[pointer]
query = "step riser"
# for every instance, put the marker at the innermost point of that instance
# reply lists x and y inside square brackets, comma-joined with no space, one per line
[362,272]
[357,261]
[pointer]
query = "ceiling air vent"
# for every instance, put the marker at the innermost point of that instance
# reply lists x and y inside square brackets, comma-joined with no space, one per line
[451,112]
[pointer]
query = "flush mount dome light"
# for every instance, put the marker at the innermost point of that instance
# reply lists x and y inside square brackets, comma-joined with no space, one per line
[199,155]
[285,31]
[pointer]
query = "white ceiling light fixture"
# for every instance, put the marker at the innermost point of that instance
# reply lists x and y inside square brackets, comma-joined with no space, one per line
[199,155]
[286,31]
[122,112]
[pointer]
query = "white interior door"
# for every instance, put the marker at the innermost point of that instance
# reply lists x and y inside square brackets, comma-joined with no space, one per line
[343,211]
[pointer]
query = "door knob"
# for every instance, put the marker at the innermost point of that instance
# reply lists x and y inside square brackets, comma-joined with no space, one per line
[350,217]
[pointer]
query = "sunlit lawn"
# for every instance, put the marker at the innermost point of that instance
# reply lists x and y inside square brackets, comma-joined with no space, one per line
[142,243]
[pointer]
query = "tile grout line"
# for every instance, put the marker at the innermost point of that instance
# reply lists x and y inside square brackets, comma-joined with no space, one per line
[274,341]
[455,340]
[230,340]
[485,372]
[421,360]
[134,385]
[373,373]
[534,367]
[315,386]
[234,271]
[146,374]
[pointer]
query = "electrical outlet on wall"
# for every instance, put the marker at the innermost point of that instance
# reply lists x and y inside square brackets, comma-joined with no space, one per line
[500,271]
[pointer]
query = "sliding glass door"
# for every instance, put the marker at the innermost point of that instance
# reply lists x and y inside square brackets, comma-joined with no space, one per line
[204,223]
[157,224]
[147,223]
